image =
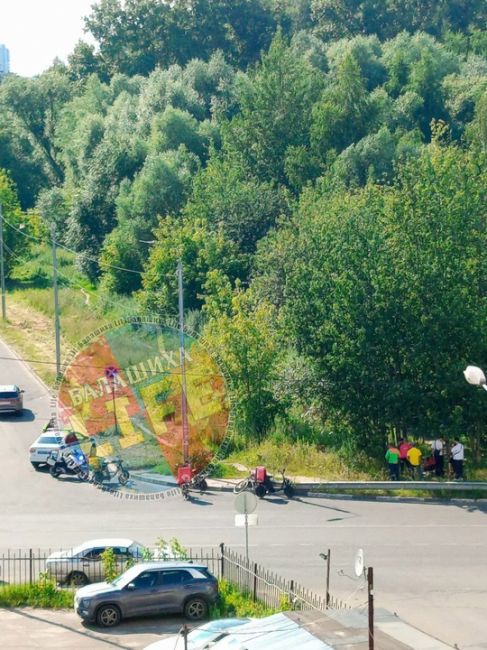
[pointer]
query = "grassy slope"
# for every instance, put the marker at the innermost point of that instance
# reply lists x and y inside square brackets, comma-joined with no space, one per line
[30,331]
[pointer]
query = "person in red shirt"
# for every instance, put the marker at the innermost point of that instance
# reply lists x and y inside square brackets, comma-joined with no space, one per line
[404,446]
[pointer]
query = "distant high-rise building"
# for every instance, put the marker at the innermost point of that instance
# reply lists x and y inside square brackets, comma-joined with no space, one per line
[4,60]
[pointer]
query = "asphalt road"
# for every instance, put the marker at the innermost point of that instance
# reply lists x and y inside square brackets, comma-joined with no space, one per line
[430,564]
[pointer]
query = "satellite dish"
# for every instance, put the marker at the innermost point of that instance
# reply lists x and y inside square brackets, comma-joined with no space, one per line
[359,563]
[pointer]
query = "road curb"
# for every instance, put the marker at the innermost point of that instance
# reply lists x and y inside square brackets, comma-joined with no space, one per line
[391,499]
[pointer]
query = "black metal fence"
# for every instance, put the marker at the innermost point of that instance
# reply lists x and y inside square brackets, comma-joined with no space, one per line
[26,566]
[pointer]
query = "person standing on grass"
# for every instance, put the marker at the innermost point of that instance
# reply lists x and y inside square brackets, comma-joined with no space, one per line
[437,448]
[392,459]
[414,458]
[404,446]
[457,457]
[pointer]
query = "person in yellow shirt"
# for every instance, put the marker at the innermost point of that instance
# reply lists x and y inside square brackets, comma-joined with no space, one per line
[415,457]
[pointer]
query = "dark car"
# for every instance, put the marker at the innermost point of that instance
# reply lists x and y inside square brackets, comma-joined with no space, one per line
[11,399]
[149,588]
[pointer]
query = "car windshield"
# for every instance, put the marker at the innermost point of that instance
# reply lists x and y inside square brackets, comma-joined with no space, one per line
[199,636]
[81,549]
[126,577]
[7,394]
[49,440]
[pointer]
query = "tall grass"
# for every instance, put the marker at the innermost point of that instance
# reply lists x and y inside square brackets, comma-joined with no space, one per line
[301,458]
[43,593]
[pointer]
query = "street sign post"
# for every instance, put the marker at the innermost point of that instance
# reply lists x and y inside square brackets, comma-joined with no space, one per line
[111,373]
[245,504]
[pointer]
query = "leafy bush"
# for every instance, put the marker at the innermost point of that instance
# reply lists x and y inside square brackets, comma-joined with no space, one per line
[109,563]
[42,593]
[233,602]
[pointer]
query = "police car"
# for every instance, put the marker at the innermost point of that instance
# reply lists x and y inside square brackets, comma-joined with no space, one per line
[51,439]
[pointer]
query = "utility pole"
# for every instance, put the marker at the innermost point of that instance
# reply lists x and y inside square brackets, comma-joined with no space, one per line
[2,270]
[327,558]
[182,357]
[57,326]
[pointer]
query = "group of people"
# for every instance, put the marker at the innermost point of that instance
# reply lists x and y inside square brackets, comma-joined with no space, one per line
[407,458]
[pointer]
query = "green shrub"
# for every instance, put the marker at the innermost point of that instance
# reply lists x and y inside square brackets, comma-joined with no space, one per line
[42,593]
[233,602]
[109,563]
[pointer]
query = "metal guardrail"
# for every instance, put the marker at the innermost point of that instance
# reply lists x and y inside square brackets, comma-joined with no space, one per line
[394,485]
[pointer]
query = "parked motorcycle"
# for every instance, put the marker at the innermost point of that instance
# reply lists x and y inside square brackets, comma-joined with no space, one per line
[71,462]
[260,483]
[110,468]
[188,480]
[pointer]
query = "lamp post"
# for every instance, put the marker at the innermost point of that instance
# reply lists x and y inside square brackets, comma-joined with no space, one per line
[475,376]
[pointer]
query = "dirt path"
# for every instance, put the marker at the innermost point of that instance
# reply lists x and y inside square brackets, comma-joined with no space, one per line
[31,334]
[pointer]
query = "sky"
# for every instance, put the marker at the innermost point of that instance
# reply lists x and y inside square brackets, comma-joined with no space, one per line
[37,31]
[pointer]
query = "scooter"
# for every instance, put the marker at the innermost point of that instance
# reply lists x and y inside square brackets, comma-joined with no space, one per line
[260,483]
[109,468]
[188,480]
[71,463]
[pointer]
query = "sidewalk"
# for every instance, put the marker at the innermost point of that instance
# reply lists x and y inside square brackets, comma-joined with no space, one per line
[41,629]
[27,628]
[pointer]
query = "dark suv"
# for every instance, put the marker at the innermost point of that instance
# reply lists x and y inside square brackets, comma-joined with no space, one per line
[11,399]
[149,588]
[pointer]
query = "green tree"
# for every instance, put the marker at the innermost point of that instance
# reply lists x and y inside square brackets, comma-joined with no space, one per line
[136,36]
[342,114]
[15,241]
[338,18]
[275,112]
[201,251]
[35,104]
[159,189]
[241,206]
[244,338]
[383,291]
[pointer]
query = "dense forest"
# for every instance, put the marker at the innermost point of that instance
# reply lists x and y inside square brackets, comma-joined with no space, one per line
[319,166]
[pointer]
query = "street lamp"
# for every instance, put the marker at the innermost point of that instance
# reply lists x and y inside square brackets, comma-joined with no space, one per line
[475,376]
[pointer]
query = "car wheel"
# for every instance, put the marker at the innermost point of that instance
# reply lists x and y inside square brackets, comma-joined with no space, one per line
[77,579]
[35,465]
[108,616]
[196,609]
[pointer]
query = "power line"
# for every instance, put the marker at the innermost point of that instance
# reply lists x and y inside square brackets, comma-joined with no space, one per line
[71,250]
[69,282]
[91,367]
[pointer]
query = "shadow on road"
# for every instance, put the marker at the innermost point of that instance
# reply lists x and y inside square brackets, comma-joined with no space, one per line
[322,505]
[159,624]
[199,501]
[27,416]
[279,501]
